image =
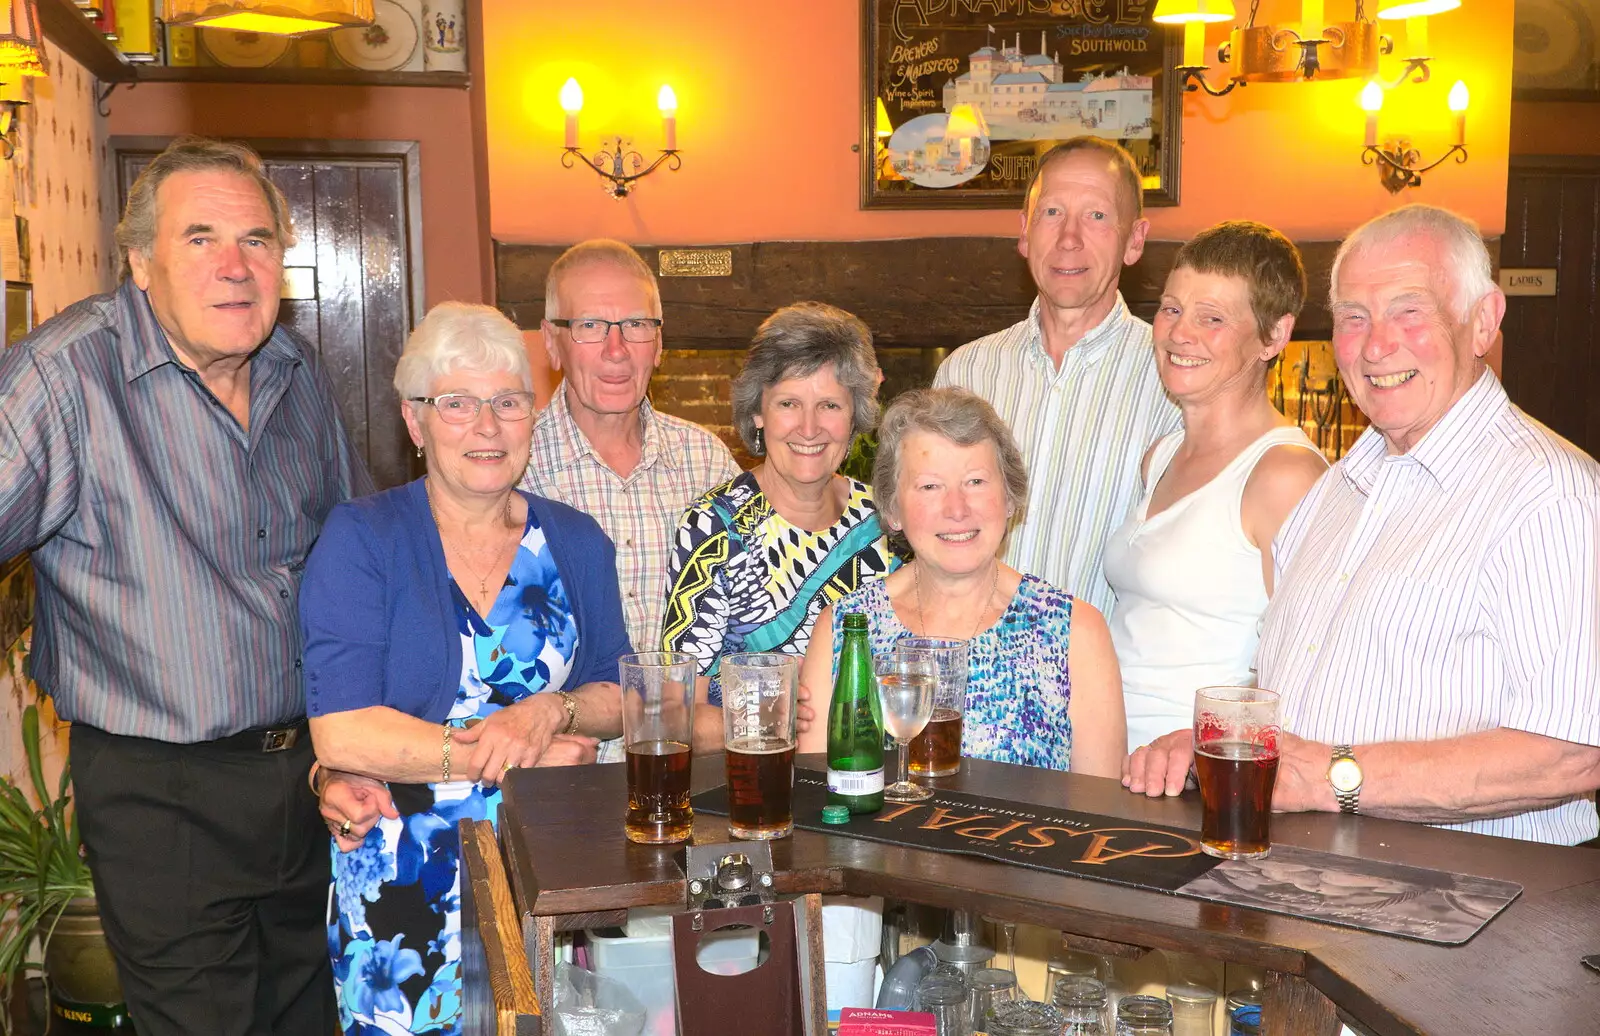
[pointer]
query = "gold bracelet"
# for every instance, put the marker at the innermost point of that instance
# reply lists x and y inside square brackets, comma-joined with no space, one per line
[445,769]
[571,705]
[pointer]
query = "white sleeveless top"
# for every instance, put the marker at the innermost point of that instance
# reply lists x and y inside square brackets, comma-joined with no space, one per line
[1189,592]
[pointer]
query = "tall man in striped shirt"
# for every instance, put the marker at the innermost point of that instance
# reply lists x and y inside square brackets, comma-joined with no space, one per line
[1436,628]
[1077,379]
[168,455]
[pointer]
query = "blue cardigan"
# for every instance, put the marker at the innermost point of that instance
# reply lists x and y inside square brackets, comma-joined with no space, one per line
[376,611]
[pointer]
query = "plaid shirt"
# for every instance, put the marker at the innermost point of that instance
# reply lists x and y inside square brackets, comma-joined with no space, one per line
[640,511]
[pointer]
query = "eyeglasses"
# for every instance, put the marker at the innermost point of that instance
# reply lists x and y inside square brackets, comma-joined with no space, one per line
[589,330]
[459,408]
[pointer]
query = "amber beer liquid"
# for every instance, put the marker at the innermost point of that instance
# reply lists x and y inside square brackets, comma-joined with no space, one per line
[760,788]
[936,752]
[1236,780]
[658,792]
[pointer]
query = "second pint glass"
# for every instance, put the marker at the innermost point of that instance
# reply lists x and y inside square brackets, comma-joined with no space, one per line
[936,752]
[758,727]
[1236,760]
[657,729]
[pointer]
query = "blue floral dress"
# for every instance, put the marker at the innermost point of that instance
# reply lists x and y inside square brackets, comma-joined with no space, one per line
[394,918]
[1018,687]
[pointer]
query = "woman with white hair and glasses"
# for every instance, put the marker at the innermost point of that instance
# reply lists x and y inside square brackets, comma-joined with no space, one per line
[455,628]
[758,556]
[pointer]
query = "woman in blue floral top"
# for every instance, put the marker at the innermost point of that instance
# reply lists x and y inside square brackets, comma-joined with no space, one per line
[454,628]
[1043,687]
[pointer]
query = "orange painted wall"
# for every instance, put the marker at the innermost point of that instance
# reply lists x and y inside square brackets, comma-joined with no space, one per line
[1555,128]
[439,118]
[769,99]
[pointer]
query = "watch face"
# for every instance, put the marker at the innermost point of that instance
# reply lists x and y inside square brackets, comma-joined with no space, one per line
[1345,775]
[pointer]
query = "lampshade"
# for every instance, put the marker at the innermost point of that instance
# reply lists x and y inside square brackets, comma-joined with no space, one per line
[1176,12]
[277,17]
[965,121]
[1415,8]
[884,127]
[20,49]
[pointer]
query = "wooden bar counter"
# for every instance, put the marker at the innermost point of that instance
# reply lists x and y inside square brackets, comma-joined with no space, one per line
[570,866]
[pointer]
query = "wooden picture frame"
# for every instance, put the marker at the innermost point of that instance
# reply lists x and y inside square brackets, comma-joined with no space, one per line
[1555,51]
[958,104]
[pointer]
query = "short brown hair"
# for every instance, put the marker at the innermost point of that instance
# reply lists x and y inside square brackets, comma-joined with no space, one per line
[1268,262]
[136,232]
[1115,154]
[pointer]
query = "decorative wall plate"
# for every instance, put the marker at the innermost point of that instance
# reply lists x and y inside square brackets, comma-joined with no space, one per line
[387,45]
[1553,45]
[243,49]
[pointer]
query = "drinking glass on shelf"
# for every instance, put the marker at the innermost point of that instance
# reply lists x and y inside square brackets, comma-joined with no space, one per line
[936,752]
[905,689]
[990,986]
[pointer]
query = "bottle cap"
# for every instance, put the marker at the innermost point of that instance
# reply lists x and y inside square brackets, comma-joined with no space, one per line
[836,814]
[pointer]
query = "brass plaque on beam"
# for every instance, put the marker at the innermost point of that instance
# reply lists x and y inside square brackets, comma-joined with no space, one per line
[696,262]
[299,282]
[1528,280]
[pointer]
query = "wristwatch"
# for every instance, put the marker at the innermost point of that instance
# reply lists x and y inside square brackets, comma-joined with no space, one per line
[1344,773]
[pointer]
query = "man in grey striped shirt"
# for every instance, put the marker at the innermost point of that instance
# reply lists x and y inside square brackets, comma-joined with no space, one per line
[168,455]
[1077,379]
[1435,634]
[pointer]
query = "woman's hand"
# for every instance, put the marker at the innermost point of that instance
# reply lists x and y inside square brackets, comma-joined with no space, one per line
[569,750]
[349,798]
[804,714]
[516,735]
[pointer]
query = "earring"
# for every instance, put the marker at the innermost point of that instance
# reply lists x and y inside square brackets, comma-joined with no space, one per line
[419,451]
[761,442]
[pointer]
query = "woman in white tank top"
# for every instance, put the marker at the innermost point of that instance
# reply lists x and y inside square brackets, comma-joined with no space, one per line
[1192,566]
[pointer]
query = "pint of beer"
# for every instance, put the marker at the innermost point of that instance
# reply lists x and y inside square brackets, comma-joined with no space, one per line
[1236,759]
[758,726]
[657,729]
[936,752]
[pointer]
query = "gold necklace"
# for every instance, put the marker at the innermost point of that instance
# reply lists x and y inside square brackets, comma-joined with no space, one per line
[483,580]
[983,609]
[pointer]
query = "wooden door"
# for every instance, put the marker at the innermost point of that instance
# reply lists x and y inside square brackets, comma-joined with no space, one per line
[353,280]
[1552,345]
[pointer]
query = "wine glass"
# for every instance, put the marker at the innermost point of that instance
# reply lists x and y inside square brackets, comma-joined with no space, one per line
[905,689]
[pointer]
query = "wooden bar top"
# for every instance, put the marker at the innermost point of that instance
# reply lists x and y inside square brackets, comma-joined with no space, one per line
[562,828]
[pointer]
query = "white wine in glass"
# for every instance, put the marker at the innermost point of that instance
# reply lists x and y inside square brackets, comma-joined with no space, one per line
[906,693]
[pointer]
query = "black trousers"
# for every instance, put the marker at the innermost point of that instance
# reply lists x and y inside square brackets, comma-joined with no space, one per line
[211,867]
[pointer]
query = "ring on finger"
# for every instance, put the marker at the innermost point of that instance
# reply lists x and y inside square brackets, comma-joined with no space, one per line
[344,829]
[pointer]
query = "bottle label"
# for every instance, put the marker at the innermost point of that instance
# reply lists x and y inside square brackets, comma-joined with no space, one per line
[855,782]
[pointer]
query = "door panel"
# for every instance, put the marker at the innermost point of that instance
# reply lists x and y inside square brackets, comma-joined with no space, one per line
[1551,367]
[354,250]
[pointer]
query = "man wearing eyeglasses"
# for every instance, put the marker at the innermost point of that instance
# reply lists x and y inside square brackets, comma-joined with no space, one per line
[600,446]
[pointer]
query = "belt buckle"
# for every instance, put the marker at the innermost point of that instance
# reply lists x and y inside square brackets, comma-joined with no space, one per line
[279,740]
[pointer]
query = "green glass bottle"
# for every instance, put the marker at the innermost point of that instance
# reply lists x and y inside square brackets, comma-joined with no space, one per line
[855,725]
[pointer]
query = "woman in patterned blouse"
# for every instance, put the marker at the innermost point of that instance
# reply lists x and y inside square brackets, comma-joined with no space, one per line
[1042,687]
[757,557]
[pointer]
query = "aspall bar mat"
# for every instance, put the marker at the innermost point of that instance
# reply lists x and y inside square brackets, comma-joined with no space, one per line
[1414,902]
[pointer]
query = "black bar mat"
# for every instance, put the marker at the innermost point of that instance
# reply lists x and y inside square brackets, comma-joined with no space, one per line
[1061,841]
[1389,898]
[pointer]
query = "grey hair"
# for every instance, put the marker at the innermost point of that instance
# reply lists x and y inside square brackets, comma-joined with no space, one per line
[136,231]
[1466,257]
[964,418]
[600,251]
[458,336]
[796,342]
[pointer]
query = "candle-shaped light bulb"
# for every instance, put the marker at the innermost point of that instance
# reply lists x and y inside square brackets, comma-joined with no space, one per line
[667,101]
[1371,102]
[1311,19]
[572,103]
[1194,44]
[1458,101]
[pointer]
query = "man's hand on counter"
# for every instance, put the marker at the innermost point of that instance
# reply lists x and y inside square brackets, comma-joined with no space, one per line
[1161,767]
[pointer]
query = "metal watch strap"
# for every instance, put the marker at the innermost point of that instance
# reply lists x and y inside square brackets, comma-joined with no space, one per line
[1348,800]
[571,705]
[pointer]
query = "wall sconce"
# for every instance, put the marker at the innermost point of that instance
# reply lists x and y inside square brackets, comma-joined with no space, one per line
[1415,13]
[9,110]
[617,164]
[1194,16]
[1397,161]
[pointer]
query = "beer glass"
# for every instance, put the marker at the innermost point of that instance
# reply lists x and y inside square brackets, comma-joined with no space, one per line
[1236,760]
[657,730]
[936,752]
[905,690]
[758,738]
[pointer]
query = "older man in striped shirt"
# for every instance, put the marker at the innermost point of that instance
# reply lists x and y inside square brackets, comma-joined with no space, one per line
[1436,630]
[168,455]
[1076,380]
